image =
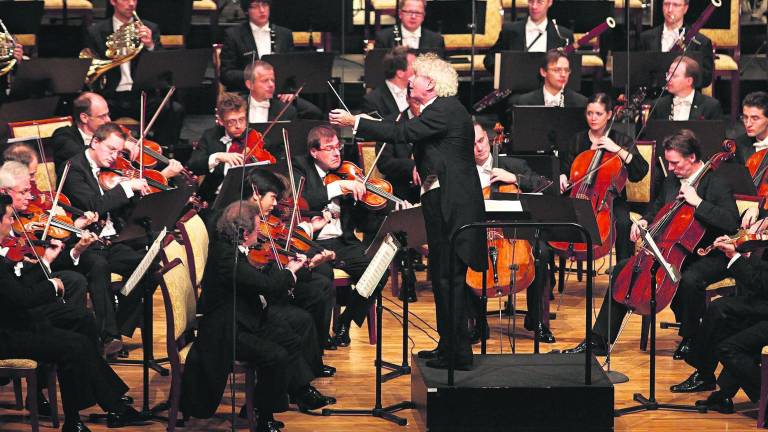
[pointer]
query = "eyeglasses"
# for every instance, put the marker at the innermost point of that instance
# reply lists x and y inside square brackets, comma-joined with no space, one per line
[559,70]
[235,122]
[330,149]
[750,119]
[412,13]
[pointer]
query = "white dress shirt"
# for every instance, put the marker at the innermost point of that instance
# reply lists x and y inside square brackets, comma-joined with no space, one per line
[761,145]
[86,137]
[553,100]
[399,94]
[126,80]
[532,31]
[681,107]
[410,38]
[258,111]
[670,36]
[263,38]
[333,228]
[484,171]
[109,227]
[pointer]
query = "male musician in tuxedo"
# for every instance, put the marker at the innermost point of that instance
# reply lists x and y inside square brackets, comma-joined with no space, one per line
[18,55]
[715,210]
[263,106]
[451,195]
[555,70]
[411,33]
[123,98]
[666,37]
[263,339]
[84,377]
[754,116]
[733,332]
[516,171]
[684,102]
[89,111]
[536,34]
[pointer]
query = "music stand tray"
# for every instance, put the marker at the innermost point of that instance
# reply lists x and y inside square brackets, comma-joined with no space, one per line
[647,68]
[182,68]
[518,71]
[540,129]
[711,134]
[49,75]
[310,69]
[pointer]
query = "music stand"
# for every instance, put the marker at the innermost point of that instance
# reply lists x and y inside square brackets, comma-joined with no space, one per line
[182,68]
[310,69]
[580,16]
[540,129]
[154,212]
[647,68]
[518,71]
[450,16]
[230,186]
[41,76]
[316,15]
[373,69]
[710,133]
[174,17]
[22,17]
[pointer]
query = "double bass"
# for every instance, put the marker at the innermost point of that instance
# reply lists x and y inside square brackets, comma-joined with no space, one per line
[676,232]
[510,261]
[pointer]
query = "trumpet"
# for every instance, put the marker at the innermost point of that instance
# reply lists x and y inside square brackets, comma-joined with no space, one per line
[122,46]
[7,47]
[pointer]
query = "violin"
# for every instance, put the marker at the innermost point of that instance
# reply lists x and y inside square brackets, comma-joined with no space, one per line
[379,191]
[261,255]
[44,201]
[510,261]
[676,232]
[122,169]
[61,226]
[152,154]
[19,248]
[254,149]
[274,227]
[757,164]
[744,242]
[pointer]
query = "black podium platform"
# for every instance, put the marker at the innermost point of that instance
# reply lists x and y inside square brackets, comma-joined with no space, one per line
[523,392]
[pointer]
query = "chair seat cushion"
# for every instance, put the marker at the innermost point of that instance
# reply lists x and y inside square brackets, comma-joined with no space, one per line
[463,65]
[727,282]
[18,363]
[71,4]
[115,278]
[725,62]
[204,5]
[591,61]
[340,274]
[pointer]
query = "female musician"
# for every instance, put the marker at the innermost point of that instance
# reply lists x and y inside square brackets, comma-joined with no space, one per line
[715,210]
[598,115]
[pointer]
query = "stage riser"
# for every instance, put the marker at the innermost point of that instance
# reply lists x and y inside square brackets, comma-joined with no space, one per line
[519,404]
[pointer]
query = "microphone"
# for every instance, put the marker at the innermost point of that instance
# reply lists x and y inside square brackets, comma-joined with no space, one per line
[249,53]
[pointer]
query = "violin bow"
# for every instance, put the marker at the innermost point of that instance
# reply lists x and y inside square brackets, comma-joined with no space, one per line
[272,124]
[295,216]
[375,161]
[140,141]
[338,97]
[55,204]
[269,233]
[48,175]
[29,241]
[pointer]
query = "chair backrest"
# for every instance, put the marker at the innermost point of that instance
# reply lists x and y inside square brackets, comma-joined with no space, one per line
[726,38]
[641,191]
[618,4]
[173,250]
[367,152]
[42,128]
[493,21]
[744,202]
[195,238]
[180,305]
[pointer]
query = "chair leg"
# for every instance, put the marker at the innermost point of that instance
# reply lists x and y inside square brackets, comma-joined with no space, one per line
[579,270]
[32,398]
[52,398]
[373,337]
[250,390]
[761,408]
[561,275]
[17,393]
[645,327]
[173,400]
[735,88]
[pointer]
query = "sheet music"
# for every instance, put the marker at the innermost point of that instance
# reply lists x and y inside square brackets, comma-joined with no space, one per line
[378,266]
[143,265]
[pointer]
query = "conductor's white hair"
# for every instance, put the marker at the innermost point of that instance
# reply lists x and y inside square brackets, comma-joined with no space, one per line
[12,173]
[440,71]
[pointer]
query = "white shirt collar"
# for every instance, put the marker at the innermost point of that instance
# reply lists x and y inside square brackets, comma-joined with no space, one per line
[429,102]
[91,162]
[256,29]
[116,23]
[322,173]
[675,30]
[761,145]
[399,94]
[688,99]
[259,104]
[86,137]
[694,175]
[407,33]
[531,26]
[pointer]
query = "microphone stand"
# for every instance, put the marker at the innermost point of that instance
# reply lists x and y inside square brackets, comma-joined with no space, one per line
[473,29]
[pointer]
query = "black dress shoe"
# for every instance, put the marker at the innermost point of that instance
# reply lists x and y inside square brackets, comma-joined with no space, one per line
[442,363]
[598,348]
[328,371]
[695,383]
[75,426]
[342,336]
[717,402]
[243,414]
[127,400]
[330,344]
[43,406]
[128,417]
[112,347]
[311,399]
[683,349]
[428,354]
[269,426]
[544,333]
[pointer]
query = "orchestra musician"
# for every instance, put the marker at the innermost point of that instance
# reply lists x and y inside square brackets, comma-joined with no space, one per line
[263,106]
[263,339]
[555,69]
[18,55]
[412,33]
[671,33]
[733,332]
[123,99]
[715,210]
[598,115]
[516,171]
[84,377]
[451,195]
[536,34]
[754,116]
[684,102]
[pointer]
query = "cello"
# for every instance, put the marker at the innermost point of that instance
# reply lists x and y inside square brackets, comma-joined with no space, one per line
[676,232]
[757,164]
[510,261]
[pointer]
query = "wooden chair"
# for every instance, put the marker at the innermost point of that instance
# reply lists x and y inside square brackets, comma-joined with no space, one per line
[194,236]
[74,8]
[761,404]
[173,250]
[727,65]
[483,41]
[16,369]
[42,128]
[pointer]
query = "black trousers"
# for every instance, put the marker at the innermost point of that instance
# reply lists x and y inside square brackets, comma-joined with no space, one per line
[624,246]
[689,302]
[740,356]
[167,128]
[302,324]
[314,293]
[84,377]
[438,239]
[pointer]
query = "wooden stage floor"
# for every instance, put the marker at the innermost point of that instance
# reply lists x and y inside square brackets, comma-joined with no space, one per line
[353,385]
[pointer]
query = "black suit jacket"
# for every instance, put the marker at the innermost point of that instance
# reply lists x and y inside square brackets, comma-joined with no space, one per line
[745,147]
[703,108]
[237,42]
[512,38]
[443,139]
[636,169]
[536,97]
[650,40]
[527,179]
[96,39]
[16,299]
[751,276]
[386,39]
[66,142]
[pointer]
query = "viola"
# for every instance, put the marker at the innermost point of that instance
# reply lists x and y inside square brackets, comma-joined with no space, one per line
[676,232]
[274,227]
[379,191]
[19,248]
[122,169]
[255,151]
[743,240]
[261,255]
[510,261]
[153,153]
[757,164]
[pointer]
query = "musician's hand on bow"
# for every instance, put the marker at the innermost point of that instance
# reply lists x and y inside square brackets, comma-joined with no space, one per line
[59,286]
[340,117]
[86,219]
[750,217]
[759,226]
[296,263]
[145,35]
[416,177]
[173,169]
[133,150]
[563,182]
[286,98]
[318,222]
[321,257]
[635,232]
[52,251]
[139,185]
[726,246]
[356,188]
[608,144]
[503,176]
[688,193]
[229,158]
[87,238]
[404,204]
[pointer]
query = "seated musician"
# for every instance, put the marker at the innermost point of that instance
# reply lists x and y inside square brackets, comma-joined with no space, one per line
[536,34]
[264,339]
[665,37]
[18,55]
[715,210]
[733,332]
[411,33]
[123,99]
[263,106]
[598,115]
[684,102]
[516,171]
[338,234]
[26,333]
[754,115]
[89,111]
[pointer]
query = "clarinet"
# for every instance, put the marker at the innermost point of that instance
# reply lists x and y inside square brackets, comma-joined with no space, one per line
[398,40]
[272,38]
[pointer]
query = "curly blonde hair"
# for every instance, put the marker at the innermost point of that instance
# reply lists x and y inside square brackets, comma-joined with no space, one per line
[441,72]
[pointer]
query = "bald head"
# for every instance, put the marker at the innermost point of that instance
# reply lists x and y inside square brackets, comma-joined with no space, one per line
[90,111]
